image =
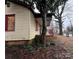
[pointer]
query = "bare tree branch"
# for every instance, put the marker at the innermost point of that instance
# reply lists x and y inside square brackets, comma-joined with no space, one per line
[62,9]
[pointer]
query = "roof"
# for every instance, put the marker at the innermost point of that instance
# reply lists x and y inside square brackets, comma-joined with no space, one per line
[22,3]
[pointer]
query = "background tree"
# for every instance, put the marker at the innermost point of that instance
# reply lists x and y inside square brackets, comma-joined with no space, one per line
[58,14]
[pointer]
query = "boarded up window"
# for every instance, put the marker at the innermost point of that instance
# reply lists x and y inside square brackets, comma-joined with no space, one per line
[10,22]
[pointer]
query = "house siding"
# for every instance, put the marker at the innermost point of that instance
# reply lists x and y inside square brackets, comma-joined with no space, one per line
[24,23]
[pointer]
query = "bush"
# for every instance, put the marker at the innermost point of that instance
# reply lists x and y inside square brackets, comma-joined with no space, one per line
[36,42]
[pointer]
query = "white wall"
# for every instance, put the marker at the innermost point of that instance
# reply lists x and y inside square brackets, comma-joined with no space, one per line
[24,23]
[32,26]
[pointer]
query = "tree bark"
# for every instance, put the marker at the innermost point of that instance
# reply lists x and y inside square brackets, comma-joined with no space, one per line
[60,26]
[44,29]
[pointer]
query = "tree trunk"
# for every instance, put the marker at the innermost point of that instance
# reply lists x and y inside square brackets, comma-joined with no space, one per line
[44,29]
[60,26]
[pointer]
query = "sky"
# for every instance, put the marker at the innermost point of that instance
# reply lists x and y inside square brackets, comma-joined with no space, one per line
[68,13]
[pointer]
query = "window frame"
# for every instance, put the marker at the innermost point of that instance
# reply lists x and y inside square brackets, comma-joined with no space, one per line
[6,22]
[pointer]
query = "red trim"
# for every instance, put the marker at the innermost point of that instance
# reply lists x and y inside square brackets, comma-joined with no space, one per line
[10,14]
[6,23]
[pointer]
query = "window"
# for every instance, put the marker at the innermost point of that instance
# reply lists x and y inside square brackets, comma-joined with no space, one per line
[10,22]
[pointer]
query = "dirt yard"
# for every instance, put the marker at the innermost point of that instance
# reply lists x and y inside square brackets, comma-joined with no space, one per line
[65,42]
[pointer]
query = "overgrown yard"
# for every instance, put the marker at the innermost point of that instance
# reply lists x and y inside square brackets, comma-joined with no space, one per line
[62,49]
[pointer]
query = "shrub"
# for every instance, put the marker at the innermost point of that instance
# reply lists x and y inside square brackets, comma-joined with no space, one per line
[36,42]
